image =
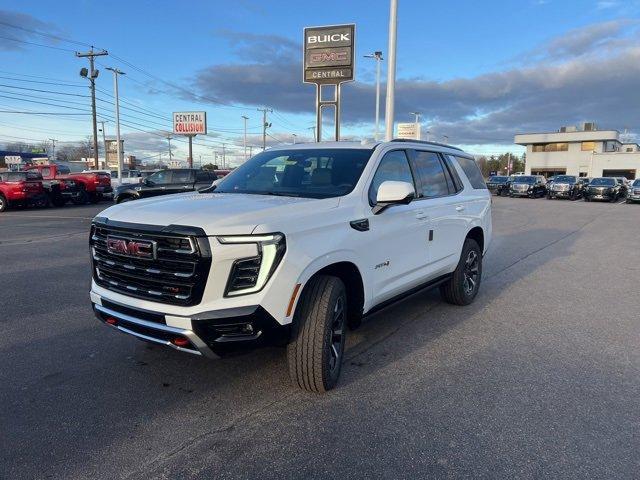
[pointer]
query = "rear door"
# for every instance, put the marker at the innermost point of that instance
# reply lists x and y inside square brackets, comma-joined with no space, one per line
[204,179]
[440,195]
[182,180]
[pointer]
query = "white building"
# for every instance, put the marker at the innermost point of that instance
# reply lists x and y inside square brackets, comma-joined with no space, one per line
[584,151]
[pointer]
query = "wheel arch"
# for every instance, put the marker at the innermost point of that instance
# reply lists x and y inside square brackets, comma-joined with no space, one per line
[350,274]
[477,234]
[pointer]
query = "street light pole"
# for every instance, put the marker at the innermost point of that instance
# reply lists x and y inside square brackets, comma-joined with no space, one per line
[391,70]
[117,72]
[244,142]
[378,58]
[417,123]
[294,138]
[53,152]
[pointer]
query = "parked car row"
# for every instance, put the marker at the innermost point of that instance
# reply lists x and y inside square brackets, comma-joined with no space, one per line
[51,185]
[565,186]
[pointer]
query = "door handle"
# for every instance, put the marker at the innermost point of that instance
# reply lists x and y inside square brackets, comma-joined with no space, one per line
[460,208]
[421,215]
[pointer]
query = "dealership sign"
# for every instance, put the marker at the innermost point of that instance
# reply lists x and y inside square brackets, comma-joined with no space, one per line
[410,131]
[190,123]
[329,54]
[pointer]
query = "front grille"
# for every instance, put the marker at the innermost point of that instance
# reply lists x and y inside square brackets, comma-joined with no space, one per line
[176,276]
[636,191]
[560,187]
[521,187]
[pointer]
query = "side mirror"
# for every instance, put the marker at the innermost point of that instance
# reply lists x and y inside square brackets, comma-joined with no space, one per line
[393,193]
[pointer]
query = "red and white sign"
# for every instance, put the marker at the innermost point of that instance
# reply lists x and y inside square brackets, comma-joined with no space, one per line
[190,123]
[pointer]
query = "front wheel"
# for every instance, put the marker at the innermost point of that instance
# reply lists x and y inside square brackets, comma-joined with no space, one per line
[317,346]
[463,286]
[3,204]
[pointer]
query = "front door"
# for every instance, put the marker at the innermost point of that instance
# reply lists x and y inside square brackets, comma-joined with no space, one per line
[397,255]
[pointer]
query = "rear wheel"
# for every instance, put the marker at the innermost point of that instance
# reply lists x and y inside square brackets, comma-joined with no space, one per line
[463,286]
[3,203]
[317,347]
[81,198]
[95,197]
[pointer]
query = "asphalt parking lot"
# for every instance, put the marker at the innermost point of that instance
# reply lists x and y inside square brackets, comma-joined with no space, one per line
[539,378]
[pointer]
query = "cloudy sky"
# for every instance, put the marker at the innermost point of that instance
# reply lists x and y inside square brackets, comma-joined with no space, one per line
[478,71]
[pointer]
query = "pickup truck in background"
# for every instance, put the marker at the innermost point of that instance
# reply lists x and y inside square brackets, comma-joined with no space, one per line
[165,182]
[21,189]
[91,186]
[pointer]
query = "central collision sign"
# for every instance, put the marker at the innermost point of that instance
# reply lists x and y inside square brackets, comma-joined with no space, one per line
[329,54]
[190,123]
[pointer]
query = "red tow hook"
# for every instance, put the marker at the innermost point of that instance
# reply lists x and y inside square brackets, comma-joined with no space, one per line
[181,342]
[111,321]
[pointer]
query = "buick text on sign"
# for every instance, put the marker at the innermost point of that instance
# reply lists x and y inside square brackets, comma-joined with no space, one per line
[190,123]
[329,54]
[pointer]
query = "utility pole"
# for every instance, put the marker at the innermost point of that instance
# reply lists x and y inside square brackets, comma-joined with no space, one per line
[391,70]
[250,151]
[53,153]
[224,155]
[294,138]
[315,138]
[265,125]
[117,72]
[378,58]
[244,142]
[417,123]
[91,75]
[169,140]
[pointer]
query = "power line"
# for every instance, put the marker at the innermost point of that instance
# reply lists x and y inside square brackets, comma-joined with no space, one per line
[36,44]
[44,91]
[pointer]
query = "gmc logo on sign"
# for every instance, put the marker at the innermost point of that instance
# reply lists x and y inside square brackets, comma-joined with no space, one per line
[131,248]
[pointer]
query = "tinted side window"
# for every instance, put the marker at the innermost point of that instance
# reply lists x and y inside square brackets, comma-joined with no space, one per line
[457,183]
[46,172]
[160,178]
[394,166]
[430,174]
[202,176]
[471,170]
[64,170]
[182,176]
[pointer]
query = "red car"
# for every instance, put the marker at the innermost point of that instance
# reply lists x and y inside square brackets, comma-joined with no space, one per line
[92,186]
[21,189]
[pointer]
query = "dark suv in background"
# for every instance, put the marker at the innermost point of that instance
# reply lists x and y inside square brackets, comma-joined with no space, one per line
[499,184]
[531,186]
[165,182]
[565,186]
[602,188]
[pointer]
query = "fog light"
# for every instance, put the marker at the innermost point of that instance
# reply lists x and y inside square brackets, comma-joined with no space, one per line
[111,321]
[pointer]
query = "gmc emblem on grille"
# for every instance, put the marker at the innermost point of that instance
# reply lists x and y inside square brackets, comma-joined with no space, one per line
[131,248]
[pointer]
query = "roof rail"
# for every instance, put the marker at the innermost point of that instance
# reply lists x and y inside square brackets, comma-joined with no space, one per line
[424,142]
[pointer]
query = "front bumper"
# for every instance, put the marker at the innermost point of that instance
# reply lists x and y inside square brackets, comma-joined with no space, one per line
[210,334]
[518,193]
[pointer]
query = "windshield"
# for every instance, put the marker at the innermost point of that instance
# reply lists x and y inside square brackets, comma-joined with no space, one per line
[524,179]
[498,179]
[565,179]
[309,173]
[636,183]
[609,182]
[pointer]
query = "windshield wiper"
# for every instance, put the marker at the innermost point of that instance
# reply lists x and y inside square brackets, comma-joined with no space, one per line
[280,194]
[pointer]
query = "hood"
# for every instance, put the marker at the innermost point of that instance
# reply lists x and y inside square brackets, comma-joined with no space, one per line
[217,213]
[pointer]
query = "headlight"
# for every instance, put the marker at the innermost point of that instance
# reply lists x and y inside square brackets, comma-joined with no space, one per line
[250,275]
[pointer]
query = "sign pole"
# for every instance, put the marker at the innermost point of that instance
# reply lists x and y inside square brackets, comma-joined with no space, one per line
[190,151]
[329,60]
[318,112]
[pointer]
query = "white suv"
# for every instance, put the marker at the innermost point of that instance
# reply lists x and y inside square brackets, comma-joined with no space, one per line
[291,248]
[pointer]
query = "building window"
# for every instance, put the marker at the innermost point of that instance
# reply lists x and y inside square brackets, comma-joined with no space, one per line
[588,146]
[551,147]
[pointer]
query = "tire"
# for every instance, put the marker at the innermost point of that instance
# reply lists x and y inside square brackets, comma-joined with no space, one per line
[549,197]
[3,204]
[57,201]
[463,286]
[81,199]
[316,349]
[587,199]
[95,198]
[614,199]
